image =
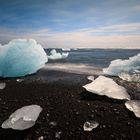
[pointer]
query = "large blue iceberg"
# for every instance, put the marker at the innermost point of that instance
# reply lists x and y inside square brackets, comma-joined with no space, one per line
[116,67]
[21,57]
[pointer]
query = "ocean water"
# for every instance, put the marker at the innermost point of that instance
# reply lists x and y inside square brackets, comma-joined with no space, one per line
[89,60]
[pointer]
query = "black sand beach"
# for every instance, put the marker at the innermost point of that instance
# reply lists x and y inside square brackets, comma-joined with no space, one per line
[66,107]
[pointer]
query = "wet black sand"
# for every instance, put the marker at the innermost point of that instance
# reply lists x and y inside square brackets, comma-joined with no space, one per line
[66,103]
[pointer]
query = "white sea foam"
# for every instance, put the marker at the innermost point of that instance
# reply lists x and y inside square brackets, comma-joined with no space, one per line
[75,68]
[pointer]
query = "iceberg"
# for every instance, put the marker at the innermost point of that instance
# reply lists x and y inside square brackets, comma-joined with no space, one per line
[117,66]
[2,85]
[134,106]
[134,77]
[21,57]
[56,56]
[108,87]
[23,118]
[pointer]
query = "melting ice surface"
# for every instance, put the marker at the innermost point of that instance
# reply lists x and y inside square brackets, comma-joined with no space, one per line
[106,86]
[117,66]
[2,85]
[21,57]
[134,105]
[89,125]
[55,55]
[23,118]
[91,78]
[135,77]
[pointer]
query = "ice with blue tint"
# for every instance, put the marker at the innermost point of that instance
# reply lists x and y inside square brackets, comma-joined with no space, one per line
[21,57]
[128,66]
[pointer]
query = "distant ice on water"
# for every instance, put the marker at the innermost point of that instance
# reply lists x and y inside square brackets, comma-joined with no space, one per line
[66,49]
[56,55]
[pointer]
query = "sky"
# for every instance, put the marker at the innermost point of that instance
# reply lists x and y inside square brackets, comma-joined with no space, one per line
[72,23]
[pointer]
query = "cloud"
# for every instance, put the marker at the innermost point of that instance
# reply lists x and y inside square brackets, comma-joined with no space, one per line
[136,8]
[114,36]
[132,28]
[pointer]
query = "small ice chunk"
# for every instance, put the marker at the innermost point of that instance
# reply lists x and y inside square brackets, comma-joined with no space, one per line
[90,78]
[20,80]
[2,85]
[90,125]
[108,87]
[23,118]
[56,56]
[53,123]
[134,77]
[119,65]
[134,106]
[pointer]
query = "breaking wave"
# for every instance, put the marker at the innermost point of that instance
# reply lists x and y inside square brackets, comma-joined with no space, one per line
[75,68]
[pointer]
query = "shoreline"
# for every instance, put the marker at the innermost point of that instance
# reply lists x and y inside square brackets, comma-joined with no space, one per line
[67,103]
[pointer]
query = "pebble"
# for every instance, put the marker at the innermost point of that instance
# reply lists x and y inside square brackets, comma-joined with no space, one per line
[41,138]
[53,123]
[91,116]
[129,123]
[102,109]
[57,134]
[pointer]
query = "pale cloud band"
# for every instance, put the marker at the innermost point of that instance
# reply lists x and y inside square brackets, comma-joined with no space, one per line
[114,36]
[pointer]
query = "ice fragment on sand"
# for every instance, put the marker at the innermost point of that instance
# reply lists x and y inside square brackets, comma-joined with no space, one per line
[90,78]
[21,57]
[55,55]
[106,86]
[135,77]
[23,118]
[2,85]
[19,80]
[41,138]
[53,123]
[134,106]
[119,65]
[90,125]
